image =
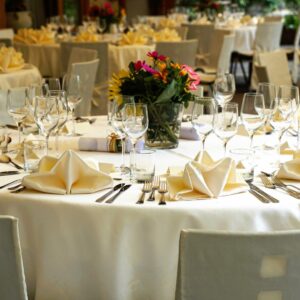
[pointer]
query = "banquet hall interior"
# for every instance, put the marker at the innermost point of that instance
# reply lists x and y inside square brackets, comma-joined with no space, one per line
[149,149]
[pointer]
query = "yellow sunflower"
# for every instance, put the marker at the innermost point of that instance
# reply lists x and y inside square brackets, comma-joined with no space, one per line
[115,84]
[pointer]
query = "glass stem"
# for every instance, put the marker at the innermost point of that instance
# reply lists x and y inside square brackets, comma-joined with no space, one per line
[73,122]
[251,139]
[123,145]
[19,131]
[133,162]
[225,146]
[47,144]
[56,143]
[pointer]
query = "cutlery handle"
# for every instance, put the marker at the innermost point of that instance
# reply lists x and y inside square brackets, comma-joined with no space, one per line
[103,197]
[141,199]
[112,199]
[259,196]
[258,190]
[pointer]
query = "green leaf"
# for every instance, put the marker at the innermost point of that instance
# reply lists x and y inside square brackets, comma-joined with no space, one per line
[168,93]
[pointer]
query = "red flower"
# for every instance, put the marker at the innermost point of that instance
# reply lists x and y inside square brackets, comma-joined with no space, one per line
[139,65]
[154,55]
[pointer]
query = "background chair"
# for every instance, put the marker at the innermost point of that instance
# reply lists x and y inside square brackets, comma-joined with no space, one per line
[79,55]
[182,32]
[87,72]
[247,266]
[12,277]
[182,52]
[276,68]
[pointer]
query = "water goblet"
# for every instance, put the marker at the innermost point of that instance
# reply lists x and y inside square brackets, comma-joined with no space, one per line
[224,88]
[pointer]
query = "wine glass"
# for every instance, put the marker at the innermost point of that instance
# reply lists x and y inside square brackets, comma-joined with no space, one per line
[269,91]
[53,84]
[203,117]
[46,115]
[62,114]
[224,88]
[281,116]
[253,113]
[135,122]
[72,86]
[118,126]
[226,123]
[101,25]
[17,106]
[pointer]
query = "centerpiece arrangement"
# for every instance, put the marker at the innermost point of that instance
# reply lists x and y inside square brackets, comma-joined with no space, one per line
[165,86]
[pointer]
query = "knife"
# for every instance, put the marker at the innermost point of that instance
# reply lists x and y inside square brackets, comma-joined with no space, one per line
[261,192]
[123,189]
[115,188]
[6,173]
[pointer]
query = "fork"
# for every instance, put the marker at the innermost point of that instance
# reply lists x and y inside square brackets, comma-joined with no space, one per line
[147,188]
[162,190]
[266,181]
[277,180]
[281,185]
[155,186]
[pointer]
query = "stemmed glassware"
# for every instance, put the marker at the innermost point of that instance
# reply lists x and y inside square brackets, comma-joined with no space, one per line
[253,113]
[203,115]
[117,124]
[226,123]
[17,106]
[53,84]
[135,120]
[224,88]
[101,24]
[269,91]
[72,86]
[46,115]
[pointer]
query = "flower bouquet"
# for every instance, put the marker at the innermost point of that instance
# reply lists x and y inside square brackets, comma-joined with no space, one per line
[165,86]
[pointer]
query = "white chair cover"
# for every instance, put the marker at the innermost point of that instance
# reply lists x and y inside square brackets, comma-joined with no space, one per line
[182,52]
[238,266]
[277,67]
[7,33]
[12,277]
[182,32]
[225,54]
[87,72]
[296,56]
[81,55]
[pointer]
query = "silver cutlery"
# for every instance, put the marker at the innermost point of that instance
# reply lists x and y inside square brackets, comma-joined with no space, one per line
[123,189]
[115,188]
[258,196]
[263,193]
[18,190]
[15,187]
[10,183]
[155,186]
[162,190]
[267,181]
[290,191]
[91,120]
[288,185]
[147,188]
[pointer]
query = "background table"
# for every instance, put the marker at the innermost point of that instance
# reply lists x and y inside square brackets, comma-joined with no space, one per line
[74,248]
[24,77]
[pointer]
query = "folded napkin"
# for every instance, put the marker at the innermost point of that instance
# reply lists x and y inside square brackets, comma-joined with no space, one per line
[188,132]
[290,170]
[10,59]
[87,36]
[286,149]
[67,175]
[132,38]
[166,34]
[41,36]
[206,178]
[245,20]
[202,20]
[167,23]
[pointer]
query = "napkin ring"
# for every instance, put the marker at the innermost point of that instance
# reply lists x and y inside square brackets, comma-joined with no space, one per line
[114,143]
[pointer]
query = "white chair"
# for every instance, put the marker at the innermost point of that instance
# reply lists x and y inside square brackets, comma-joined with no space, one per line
[81,55]
[87,72]
[238,266]
[204,34]
[182,52]
[182,32]
[296,56]
[12,277]
[276,68]
[7,33]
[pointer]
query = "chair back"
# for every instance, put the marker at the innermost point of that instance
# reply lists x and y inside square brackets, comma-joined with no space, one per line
[81,55]
[268,36]
[182,52]
[250,266]
[100,47]
[182,32]
[277,67]
[7,33]
[203,33]
[12,277]
[261,73]
[296,55]
[225,54]
[87,72]
[273,18]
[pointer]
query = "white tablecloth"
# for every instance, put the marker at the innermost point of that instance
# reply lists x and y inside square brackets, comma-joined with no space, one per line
[24,77]
[74,248]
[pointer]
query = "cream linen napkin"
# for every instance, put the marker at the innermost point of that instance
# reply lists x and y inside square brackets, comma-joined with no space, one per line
[166,34]
[87,36]
[132,38]
[67,175]
[206,178]
[35,36]
[10,59]
[290,170]
[167,23]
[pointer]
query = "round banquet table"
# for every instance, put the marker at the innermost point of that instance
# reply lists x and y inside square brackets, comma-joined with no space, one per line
[75,248]
[23,77]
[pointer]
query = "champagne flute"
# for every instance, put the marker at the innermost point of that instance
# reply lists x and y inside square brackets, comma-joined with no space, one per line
[17,106]
[226,123]
[203,117]
[46,115]
[253,113]
[135,120]
[118,126]
[72,86]
[224,88]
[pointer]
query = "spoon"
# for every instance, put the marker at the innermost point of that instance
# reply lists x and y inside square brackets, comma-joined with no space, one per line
[6,159]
